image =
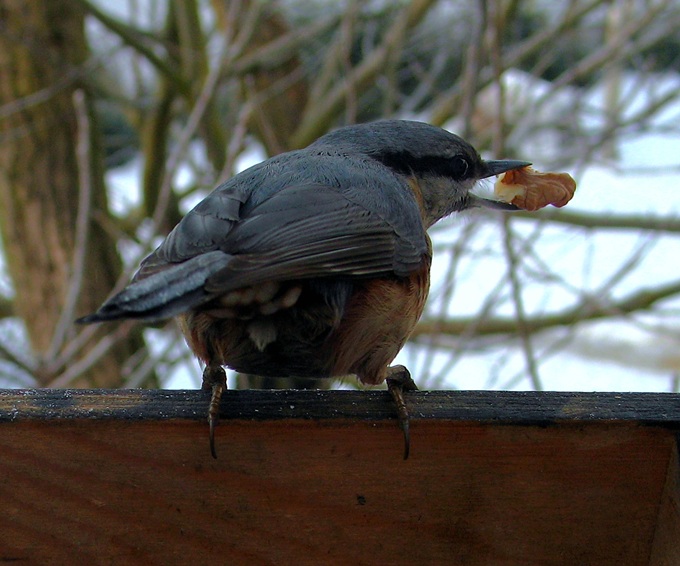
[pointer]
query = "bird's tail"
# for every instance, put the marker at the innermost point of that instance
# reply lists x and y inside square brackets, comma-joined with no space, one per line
[164,294]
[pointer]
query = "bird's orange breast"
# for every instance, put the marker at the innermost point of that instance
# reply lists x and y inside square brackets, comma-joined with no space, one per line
[311,338]
[378,320]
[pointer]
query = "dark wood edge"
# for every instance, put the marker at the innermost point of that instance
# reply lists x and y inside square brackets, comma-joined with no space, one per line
[511,407]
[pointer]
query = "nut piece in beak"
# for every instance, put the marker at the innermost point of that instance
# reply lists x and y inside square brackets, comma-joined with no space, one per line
[531,190]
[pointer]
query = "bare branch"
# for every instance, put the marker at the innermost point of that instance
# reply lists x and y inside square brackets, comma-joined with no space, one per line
[620,46]
[6,307]
[316,119]
[180,149]
[279,51]
[78,368]
[447,103]
[83,157]
[585,311]
[646,222]
[140,42]
[495,26]
[8,355]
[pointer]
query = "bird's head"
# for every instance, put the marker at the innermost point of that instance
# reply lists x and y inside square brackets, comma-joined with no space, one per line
[442,167]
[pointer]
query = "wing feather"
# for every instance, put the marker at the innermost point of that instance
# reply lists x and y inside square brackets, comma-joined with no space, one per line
[305,232]
[257,228]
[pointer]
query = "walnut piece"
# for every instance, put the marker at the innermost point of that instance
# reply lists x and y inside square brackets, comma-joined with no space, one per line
[530,190]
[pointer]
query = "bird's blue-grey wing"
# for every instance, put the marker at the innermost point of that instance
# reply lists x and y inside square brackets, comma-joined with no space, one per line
[302,231]
[311,231]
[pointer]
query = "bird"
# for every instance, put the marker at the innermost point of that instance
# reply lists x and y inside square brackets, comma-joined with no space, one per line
[315,262]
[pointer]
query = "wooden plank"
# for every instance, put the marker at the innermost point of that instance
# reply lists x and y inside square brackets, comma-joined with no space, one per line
[310,477]
[511,407]
[330,492]
[665,547]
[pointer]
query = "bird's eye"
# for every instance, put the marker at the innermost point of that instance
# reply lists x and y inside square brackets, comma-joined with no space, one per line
[459,167]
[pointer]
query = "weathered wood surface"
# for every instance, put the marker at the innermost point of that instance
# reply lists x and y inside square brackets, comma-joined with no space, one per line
[511,407]
[305,477]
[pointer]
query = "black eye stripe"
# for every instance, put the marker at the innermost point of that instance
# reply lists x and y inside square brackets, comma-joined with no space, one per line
[457,167]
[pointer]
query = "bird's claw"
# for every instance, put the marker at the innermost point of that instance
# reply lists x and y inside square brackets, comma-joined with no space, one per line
[400,380]
[215,380]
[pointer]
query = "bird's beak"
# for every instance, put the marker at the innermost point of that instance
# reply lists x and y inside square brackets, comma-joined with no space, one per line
[496,167]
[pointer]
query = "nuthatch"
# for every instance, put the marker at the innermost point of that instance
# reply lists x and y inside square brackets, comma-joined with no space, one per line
[314,263]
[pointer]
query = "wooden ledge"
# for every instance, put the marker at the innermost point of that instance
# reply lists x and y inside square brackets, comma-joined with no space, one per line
[316,477]
[507,407]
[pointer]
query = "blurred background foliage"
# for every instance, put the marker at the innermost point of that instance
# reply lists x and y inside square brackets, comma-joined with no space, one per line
[116,118]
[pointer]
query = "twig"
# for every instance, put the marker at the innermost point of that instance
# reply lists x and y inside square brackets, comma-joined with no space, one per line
[347,34]
[9,356]
[141,43]
[470,75]
[179,150]
[317,117]
[620,46]
[83,158]
[238,135]
[584,311]
[523,328]
[6,307]
[604,222]
[274,54]
[79,367]
[456,253]
[446,104]
[495,25]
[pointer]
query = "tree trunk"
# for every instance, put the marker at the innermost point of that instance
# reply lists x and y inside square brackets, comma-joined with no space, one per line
[43,60]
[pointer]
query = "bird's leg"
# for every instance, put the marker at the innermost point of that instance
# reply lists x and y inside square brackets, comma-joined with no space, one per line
[399,380]
[215,380]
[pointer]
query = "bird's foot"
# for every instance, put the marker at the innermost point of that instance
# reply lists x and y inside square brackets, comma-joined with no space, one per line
[399,380]
[214,380]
